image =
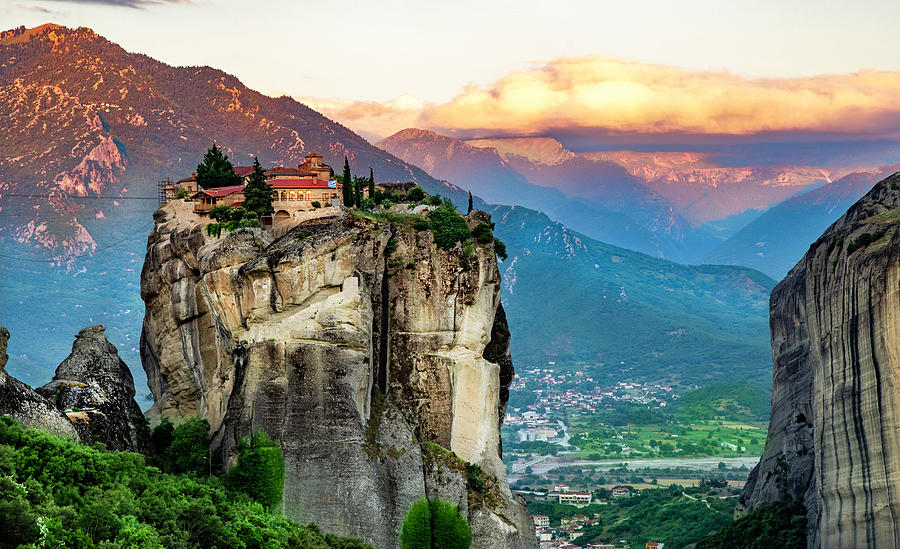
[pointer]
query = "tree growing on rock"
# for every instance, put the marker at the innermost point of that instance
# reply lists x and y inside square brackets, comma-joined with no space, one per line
[258,194]
[259,471]
[216,170]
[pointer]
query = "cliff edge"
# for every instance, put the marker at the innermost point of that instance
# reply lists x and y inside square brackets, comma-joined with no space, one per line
[378,360]
[834,432]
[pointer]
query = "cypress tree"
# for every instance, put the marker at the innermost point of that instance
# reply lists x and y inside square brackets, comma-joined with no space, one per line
[347,184]
[216,170]
[258,194]
[470,203]
[357,190]
[371,183]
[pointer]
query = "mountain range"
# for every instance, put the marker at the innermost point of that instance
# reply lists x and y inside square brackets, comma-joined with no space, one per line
[89,128]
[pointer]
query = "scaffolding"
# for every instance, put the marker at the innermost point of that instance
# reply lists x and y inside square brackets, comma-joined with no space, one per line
[161,186]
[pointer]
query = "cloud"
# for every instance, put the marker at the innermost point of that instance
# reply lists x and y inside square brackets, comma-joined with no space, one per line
[371,119]
[610,96]
[124,3]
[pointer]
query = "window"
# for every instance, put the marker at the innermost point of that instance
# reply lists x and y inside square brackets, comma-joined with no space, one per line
[293,196]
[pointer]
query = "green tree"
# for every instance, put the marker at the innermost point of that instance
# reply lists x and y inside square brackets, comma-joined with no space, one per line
[259,471]
[416,194]
[435,524]
[449,530]
[216,170]
[470,203]
[358,183]
[258,194]
[448,227]
[189,451]
[371,182]
[347,184]
[416,531]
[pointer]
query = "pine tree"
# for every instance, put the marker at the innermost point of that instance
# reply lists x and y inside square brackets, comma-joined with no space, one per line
[258,194]
[347,184]
[371,183]
[216,170]
[470,203]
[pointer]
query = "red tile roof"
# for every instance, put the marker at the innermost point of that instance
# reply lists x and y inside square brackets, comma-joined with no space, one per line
[186,179]
[219,192]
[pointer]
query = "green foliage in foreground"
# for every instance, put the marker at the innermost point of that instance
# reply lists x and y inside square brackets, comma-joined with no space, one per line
[435,524]
[57,493]
[781,524]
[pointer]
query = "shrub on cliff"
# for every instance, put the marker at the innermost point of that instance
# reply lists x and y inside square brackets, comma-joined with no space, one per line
[259,471]
[448,227]
[435,524]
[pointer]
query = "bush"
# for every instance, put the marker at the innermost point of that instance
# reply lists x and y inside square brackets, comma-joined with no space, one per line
[449,530]
[483,232]
[448,227]
[435,524]
[416,194]
[259,471]
[435,200]
[189,451]
[500,249]
[416,531]
[316,204]
[421,224]
[182,193]
[864,240]
[367,204]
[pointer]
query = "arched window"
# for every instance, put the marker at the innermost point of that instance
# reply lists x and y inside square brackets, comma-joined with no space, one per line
[293,195]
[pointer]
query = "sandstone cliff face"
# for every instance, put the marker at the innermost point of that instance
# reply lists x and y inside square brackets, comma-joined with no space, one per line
[833,438]
[20,402]
[94,388]
[355,344]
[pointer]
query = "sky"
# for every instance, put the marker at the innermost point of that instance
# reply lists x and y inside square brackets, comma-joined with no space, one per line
[476,68]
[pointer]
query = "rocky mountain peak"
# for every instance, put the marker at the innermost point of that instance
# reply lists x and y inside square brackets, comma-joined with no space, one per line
[95,389]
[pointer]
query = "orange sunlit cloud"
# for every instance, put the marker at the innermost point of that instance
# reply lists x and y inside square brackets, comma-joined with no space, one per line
[613,96]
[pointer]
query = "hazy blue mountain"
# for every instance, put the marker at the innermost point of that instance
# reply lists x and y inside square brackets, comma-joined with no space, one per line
[623,314]
[777,239]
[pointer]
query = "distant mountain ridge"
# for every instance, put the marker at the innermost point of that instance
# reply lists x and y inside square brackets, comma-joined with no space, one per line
[86,131]
[777,239]
[81,117]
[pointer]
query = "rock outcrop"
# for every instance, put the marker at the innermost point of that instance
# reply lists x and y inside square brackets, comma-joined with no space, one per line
[20,402]
[94,388]
[834,433]
[359,345]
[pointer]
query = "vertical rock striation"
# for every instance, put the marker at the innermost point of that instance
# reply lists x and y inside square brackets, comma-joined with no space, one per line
[359,345]
[834,433]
